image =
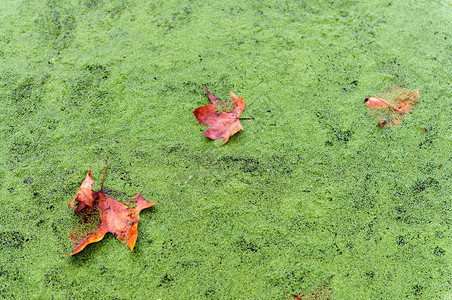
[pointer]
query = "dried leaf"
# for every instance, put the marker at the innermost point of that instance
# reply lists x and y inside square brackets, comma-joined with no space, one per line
[377,102]
[85,196]
[223,125]
[400,102]
[105,214]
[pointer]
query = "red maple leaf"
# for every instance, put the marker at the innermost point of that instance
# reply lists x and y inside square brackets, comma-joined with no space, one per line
[108,214]
[224,124]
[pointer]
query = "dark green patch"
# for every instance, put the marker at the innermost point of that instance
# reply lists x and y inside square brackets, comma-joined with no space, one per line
[245,245]
[113,193]
[243,164]
[439,252]
[422,185]
[418,289]
[342,135]
[429,140]
[165,281]
[28,94]
[12,239]
[56,24]
[177,18]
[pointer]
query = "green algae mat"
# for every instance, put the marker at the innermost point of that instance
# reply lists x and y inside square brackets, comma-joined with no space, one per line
[312,200]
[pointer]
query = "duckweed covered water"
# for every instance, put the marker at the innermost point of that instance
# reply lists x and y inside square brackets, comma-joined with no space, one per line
[312,198]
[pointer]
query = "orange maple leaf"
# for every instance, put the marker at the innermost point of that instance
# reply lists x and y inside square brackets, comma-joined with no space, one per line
[85,195]
[223,125]
[107,213]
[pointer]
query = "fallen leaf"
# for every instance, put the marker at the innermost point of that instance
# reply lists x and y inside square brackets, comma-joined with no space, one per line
[399,102]
[223,124]
[101,214]
[85,195]
[377,102]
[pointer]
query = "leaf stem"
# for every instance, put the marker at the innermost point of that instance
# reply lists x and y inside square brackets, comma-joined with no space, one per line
[103,178]
[246,118]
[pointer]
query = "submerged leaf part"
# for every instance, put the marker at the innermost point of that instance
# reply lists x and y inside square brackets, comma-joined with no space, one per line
[399,102]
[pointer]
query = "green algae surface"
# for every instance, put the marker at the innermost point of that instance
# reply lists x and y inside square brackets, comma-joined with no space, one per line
[311,198]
